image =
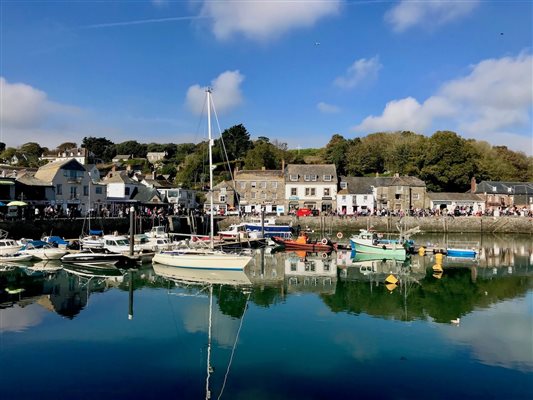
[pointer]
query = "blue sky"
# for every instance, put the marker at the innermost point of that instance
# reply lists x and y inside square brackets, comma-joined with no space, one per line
[297,72]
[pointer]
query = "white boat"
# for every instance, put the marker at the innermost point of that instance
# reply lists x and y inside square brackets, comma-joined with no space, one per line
[119,244]
[204,258]
[42,250]
[95,257]
[94,240]
[8,246]
[152,243]
[16,257]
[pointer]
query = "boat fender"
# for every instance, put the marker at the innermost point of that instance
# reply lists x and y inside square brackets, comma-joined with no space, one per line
[324,241]
[339,235]
[324,255]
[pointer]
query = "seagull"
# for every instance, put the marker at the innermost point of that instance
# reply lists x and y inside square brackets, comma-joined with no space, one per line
[317,43]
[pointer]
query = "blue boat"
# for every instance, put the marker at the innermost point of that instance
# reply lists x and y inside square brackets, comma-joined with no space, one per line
[456,252]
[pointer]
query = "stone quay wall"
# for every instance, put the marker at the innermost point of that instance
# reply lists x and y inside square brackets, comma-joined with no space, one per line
[506,224]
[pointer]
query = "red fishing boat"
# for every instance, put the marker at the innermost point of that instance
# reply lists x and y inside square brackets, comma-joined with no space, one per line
[303,243]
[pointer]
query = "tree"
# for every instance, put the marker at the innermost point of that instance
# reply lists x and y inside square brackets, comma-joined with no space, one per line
[101,147]
[335,153]
[449,163]
[236,142]
[263,154]
[136,149]
[2,146]
[67,146]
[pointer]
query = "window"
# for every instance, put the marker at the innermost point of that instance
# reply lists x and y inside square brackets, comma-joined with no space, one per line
[59,189]
[399,188]
[254,184]
[307,178]
[294,192]
[327,178]
[274,185]
[344,185]
[263,184]
[326,191]
[98,190]
[314,178]
[86,190]
[343,198]
[365,198]
[310,191]
[274,196]
[263,195]
[243,185]
[73,192]
[222,198]
[293,178]
[253,195]
[127,191]
[416,196]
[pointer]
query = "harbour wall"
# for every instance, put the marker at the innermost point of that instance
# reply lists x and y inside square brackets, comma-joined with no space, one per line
[387,224]
[72,228]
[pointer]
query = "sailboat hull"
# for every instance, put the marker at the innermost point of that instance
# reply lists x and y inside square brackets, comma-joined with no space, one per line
[208,260]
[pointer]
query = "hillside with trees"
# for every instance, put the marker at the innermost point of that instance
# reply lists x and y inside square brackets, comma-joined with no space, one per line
[445,160]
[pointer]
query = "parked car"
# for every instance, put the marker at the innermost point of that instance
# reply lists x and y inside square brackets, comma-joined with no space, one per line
[304,212]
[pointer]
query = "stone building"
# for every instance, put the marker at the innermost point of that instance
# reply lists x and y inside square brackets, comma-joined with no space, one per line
[259,189]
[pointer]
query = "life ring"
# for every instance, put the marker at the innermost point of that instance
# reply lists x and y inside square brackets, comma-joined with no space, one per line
[324,241]
[339,235]
[324,255]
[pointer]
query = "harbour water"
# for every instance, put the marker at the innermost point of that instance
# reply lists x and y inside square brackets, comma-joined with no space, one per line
[297,326]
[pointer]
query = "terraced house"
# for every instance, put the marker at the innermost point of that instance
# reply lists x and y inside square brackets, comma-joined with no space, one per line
[311,186]
[259,189]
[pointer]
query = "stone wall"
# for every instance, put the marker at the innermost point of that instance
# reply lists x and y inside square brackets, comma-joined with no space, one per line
[389,224]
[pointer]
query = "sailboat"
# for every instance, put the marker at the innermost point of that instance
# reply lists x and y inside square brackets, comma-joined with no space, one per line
[207,279]
[207,258]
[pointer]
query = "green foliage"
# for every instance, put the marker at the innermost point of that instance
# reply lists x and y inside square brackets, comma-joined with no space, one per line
[236,142]
[335,153]
[102,148]
[449,163]
[66,146]
[132,147]
[2,146]
[263,154]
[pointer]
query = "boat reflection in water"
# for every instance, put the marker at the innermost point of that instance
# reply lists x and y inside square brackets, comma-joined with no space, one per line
[329,325]
[205,280]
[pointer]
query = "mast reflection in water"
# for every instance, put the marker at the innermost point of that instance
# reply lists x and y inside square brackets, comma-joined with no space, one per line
[292,326]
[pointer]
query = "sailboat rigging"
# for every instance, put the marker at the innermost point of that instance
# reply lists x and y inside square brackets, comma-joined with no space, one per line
[199,257]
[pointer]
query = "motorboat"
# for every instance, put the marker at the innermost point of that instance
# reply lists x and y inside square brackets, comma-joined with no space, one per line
[42,250]
[152,243]
[8,246]
[96,257]
[15,257]
[303,242]
[369,242]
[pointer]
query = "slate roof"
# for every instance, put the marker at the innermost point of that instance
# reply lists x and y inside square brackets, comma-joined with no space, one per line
[454,196]
[120,177]
[47,172]
[29,179]
[358,184]
[259,174]
[501,187]
[146,195]
[313,169]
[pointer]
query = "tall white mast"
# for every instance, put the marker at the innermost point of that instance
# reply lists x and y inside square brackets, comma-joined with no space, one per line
[212,211]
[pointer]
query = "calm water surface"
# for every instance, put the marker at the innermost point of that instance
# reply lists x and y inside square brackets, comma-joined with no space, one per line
[296,326]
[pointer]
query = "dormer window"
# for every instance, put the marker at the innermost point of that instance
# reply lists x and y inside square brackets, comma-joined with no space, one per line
[494,188]
[314,178]
[328,178]
[293,178]
[307,178]
[344,185]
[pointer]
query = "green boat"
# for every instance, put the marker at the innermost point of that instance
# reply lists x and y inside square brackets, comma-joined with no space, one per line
[367,242]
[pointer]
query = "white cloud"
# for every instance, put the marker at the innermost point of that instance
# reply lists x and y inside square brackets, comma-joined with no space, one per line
[226,93]
[264,20]
[327,108]
[23,106]
[360,71]
[493,101]
[408,14]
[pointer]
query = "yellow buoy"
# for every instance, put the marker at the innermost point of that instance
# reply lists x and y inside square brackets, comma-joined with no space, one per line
[437,267]
[437,275]
[421,251]
[391,286]
[438,258]
[391,279]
